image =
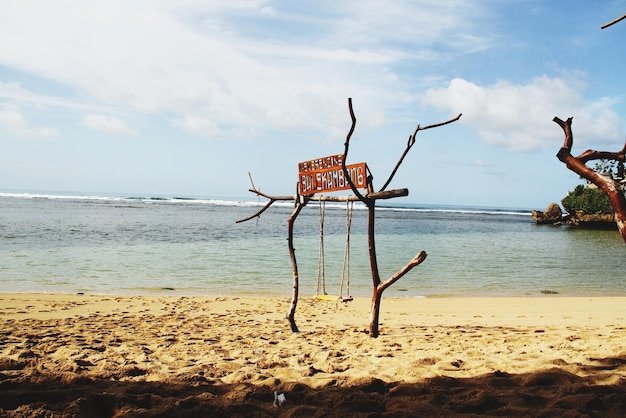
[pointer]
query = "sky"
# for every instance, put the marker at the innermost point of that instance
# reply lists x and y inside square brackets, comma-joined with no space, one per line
[186,97]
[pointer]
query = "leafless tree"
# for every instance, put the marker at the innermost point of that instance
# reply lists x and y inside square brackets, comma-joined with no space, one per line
[370,202]
[605,183]
[369,199]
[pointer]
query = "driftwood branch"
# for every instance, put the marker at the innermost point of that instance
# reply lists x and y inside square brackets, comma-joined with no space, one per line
[291,315]
[611,23]
[272,200]
[370,200]
[607,184]
[380,288]
[416,261]
[411,142]
[258,213]
[387,194]
[346,147]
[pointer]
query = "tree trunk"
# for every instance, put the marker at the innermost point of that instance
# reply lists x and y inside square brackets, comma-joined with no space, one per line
[375,312]
[376,295]
[380,288]
[294,266]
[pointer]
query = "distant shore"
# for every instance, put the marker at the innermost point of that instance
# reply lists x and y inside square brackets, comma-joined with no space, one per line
[225,354]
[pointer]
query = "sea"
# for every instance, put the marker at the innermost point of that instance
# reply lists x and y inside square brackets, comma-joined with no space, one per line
[167,245]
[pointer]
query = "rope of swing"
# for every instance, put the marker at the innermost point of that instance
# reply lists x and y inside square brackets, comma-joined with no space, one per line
[321,268]
[345,270]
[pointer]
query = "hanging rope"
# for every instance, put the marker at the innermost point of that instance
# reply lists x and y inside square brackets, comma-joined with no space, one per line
[345,270]
[321,268]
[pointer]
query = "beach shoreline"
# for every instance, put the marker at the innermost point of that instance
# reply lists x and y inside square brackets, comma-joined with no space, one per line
[229,344]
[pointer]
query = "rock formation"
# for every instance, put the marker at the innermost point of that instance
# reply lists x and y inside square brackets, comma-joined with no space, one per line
[552,215]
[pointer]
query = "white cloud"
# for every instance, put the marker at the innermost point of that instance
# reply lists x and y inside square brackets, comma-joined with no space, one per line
[16,93]
[11,120]
[519,116]
[197,125]
[107,124]
[452,25]
[205,60]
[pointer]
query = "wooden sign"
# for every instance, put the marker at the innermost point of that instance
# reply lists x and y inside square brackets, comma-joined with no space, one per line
[326,175]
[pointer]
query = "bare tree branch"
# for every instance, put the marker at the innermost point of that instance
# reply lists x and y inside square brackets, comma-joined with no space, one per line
[291,315]
[346,146]
[272,199]
[251,181]
[606,184]
[611,23]
[388,194]
[258,213]
[380,288]
[591,155]
[411,142]
[416,261]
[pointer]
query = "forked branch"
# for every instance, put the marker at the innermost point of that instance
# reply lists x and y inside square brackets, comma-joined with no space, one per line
[259,212]
[416,261]
[346,147]
[411,142]
[272,200]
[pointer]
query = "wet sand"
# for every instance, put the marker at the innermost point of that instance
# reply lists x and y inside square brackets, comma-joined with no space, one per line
[94,355]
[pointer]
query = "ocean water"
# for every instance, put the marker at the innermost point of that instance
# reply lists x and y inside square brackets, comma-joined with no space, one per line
[146,245]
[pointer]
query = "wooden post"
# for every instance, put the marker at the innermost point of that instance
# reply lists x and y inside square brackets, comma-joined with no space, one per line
[294,265]
[376,295]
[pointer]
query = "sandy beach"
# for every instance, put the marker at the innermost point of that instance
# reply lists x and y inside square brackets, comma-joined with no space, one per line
[98,355]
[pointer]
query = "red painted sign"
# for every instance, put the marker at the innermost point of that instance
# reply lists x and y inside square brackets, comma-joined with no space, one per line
[326,175]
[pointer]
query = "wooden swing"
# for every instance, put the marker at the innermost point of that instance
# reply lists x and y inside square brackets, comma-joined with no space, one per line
[321,263]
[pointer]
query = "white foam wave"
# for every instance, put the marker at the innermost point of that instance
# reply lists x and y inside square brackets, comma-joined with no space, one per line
[258,203]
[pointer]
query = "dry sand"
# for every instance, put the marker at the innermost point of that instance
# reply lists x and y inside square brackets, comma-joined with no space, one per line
[94,355]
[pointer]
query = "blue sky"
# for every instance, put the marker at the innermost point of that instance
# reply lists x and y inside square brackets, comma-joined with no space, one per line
[185,97]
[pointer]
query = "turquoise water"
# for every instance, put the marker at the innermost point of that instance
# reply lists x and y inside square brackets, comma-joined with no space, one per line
[138,245]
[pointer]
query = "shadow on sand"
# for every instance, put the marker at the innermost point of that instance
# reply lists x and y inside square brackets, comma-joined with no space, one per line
[552,392]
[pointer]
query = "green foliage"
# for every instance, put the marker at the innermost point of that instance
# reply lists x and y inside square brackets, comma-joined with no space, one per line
[605,166]
[592,201]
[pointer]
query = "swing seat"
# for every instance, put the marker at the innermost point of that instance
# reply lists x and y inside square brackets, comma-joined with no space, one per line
[331,297]
[326,297]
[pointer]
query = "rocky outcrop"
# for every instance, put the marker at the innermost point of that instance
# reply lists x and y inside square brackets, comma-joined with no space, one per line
[595,221]
[552,215]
